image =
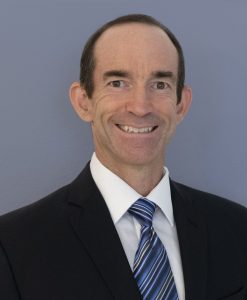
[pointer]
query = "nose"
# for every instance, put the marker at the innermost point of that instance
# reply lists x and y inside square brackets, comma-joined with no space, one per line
[139,102]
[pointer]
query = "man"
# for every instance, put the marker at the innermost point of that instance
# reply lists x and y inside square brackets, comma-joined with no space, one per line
[85,241]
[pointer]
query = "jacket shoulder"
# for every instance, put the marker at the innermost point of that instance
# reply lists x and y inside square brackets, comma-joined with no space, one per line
[221,214]
[207,201]
[224,217]
[26,218]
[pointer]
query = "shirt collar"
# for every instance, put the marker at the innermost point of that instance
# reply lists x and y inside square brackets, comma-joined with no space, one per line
[119,196]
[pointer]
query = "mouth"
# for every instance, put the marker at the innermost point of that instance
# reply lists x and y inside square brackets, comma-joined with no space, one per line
[131,129]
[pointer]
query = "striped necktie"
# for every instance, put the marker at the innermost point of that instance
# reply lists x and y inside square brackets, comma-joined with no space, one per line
[152,269]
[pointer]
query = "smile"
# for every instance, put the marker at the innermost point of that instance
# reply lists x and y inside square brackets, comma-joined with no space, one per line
[130,129]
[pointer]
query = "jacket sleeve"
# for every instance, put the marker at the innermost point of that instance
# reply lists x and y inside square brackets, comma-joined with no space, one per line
[8,289]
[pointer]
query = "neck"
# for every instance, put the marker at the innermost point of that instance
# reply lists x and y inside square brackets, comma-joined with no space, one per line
[142,179]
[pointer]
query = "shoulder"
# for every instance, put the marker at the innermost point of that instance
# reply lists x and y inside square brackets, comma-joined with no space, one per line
[50,214]
[221,214]
[53,205]
[29,217]
[33,229]
[208,201]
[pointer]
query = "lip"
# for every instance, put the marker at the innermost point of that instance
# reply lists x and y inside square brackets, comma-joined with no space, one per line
[137,130]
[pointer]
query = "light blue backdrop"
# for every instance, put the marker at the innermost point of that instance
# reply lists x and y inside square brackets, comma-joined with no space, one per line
[43,143]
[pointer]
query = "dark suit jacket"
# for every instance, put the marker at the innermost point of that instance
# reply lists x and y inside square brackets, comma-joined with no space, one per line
[65,246]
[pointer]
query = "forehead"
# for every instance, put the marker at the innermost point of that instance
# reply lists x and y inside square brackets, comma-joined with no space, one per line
[135,46]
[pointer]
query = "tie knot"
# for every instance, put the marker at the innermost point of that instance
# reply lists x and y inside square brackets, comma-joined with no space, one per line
[143,210]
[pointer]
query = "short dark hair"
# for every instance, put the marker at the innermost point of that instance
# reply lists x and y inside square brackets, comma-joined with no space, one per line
[87,64]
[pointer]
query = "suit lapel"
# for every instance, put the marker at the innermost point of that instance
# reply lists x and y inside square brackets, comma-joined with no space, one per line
[191,229]
[93,225]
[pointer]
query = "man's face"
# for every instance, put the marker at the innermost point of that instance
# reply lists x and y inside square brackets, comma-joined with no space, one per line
[134,109]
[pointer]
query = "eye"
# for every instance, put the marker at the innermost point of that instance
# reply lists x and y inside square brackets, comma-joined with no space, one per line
[160,85]
[117,83]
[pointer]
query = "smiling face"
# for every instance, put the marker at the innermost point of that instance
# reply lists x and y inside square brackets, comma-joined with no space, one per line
[133,110]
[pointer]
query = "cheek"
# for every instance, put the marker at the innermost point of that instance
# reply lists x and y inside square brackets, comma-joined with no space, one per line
[106,106]
[96,107]
[165,107]
[101,113]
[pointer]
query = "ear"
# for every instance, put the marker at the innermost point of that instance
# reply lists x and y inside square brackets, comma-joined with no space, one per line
[80,102]
[184,105]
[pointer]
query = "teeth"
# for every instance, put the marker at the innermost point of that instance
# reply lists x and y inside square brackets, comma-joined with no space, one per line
[130,129]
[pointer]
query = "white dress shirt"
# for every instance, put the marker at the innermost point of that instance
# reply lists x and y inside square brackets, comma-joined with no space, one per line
[119,196]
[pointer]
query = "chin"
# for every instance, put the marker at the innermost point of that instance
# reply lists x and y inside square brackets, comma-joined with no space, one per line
[139,158]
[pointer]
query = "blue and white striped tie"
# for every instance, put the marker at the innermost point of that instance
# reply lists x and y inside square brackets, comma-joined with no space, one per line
[152,269]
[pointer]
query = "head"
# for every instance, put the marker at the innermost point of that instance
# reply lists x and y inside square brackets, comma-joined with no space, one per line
[132,92]
[87,64]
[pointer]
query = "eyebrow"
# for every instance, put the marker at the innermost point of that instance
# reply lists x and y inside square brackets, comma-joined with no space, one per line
[116,73]
[163,74]
[125,74]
